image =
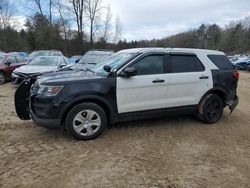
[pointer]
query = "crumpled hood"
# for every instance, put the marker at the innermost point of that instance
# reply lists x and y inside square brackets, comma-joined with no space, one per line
[77,66]
[65,76]
[26,69]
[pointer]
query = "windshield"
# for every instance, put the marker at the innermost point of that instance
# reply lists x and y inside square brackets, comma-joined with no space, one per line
[114,62]
[44,61]
[93,59]
[33,55]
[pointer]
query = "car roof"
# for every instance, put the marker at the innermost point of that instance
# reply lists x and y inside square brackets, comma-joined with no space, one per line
[46,51]
[11,54]
[182,50]
[51,56]
[99,52]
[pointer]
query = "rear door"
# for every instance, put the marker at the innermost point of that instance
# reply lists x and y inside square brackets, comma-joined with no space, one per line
[187,80]
[147,90]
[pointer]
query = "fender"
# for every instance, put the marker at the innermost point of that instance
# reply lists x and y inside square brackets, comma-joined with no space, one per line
[214,90]
[112,114]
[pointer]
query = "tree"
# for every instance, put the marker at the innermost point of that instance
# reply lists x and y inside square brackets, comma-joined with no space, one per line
[38,30]
[5,14]
[202,35]
[39,6]
[60,8]
[93,11]
[118,30]
[78,8]
[213,36]
[107,24]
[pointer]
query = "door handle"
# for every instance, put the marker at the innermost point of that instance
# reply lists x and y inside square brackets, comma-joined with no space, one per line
[158,81]
[204,77]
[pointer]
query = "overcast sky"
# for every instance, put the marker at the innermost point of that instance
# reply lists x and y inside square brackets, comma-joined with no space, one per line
[148,19]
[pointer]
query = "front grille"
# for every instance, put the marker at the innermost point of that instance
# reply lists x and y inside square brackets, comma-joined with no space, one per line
[25,75]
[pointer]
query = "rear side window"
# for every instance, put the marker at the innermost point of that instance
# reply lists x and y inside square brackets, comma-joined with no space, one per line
[184,63]
[221,61]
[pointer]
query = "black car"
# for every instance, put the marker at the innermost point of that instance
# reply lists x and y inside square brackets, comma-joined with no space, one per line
[133,84]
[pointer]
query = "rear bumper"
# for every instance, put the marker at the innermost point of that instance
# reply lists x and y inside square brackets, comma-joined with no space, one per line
[233,103]
[47,123]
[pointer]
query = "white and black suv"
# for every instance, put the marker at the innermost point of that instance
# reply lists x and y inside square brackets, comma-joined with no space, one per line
[132,84]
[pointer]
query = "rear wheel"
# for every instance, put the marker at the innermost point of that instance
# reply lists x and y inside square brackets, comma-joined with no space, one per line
[211,109]
[86,121]
[2,78]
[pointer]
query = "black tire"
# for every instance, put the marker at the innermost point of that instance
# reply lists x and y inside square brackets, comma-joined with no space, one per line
[82,111]
[211,109]
[2,78]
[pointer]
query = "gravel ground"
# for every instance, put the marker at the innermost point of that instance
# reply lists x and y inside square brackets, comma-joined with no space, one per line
[167,152]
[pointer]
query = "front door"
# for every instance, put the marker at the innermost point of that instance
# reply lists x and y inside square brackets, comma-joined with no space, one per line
[145,91]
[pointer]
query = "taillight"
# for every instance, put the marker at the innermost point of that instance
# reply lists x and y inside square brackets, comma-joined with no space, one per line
[236,75]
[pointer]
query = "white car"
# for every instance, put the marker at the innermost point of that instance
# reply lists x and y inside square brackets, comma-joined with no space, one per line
[39,66]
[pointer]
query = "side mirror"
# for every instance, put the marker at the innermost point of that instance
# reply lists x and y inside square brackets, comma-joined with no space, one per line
[8,63]
[128,72]
[107,68]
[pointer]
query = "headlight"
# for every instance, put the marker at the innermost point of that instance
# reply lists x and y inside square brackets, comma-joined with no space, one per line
[13,75]
[49,91]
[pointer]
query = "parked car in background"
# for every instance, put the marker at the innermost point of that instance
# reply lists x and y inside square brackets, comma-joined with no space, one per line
[40,53]
[248,68]
[24,54]
[133,84]
[8,63]
[90,59]
[75,59]
[39,66]
[242,65]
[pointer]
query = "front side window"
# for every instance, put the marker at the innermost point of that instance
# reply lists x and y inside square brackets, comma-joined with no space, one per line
[152,64]
[184,63]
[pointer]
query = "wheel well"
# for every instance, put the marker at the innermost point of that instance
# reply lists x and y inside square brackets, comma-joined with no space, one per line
[4,75]
[96,101]
[221,94]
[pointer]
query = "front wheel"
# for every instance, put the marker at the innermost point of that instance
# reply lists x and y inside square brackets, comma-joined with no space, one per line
[2,78]
[211,109]
[86,121]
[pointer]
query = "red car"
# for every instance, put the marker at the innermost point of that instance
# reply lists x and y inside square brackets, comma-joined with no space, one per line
[8,63]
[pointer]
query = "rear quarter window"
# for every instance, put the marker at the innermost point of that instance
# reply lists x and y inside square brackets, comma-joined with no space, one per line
[221,61]
[184,63]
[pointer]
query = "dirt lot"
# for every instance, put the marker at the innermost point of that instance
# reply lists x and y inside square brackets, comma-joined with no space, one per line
[168,152]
